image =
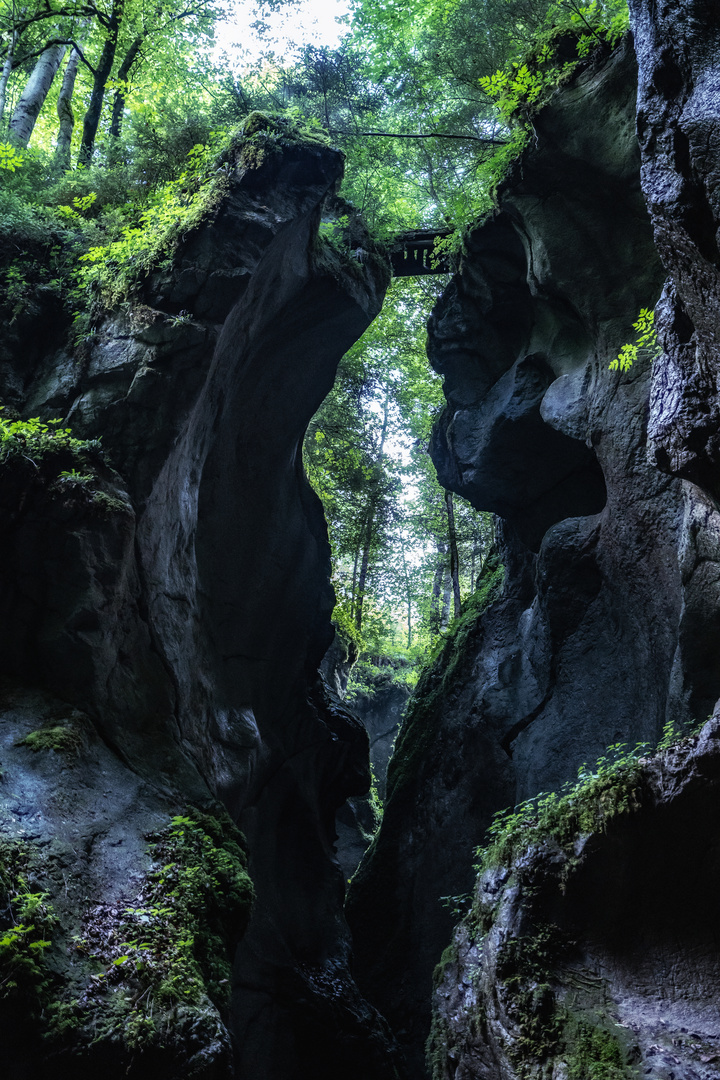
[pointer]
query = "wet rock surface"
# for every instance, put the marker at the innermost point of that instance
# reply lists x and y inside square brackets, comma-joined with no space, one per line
[188,622]
[581,957]
[380,708]
[603,629]
[679,135]
[162,630]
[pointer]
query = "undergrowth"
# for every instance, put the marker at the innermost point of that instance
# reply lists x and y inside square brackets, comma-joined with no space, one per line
[92,237]
[27,921]
[518,91]
[613,786]
[172,946]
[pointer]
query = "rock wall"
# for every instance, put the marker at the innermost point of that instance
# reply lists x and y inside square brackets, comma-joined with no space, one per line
[380,710]
[186,615]
[678,130]
[606,625]
[578,957]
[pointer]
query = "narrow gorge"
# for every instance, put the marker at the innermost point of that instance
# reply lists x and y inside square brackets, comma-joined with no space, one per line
[182,780]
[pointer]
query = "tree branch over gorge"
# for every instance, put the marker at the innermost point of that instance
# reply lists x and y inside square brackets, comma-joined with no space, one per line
[424,135]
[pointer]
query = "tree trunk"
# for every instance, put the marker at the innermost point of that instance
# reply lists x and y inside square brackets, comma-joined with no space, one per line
[91,120]
[6,71]
[354,581]
[33,96]
[121,93]
[372,512]
[454,562]
[437,584]
[445,614]
[408,590]
[65,113]
[364,567]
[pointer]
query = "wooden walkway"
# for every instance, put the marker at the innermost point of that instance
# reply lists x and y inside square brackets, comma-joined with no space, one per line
[411,254]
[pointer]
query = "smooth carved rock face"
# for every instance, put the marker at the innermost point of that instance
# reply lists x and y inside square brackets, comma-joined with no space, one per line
[678,123]
[190,623]
[505,456]
[608,621]
[542,305]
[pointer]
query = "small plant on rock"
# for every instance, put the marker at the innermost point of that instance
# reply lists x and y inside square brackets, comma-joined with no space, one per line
[646,343]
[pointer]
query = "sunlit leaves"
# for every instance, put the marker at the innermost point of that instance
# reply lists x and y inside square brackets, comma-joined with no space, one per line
[10,157]
[645,344]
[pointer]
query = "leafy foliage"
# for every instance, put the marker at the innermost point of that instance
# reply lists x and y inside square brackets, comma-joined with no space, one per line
[612,786]
[35,441]
[172,947]
[10,157]
[27,921]
[645,344]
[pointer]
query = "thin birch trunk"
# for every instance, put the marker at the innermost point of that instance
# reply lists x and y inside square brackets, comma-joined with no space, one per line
[33,96]
[445,615]
[6,71]
[408,591]
[354,581]
[437,584]
[66,116]
[372,511]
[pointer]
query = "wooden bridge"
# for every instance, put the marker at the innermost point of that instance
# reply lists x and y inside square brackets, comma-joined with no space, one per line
[411,253]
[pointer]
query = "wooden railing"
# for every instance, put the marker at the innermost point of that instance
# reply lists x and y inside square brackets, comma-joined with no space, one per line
[413,254]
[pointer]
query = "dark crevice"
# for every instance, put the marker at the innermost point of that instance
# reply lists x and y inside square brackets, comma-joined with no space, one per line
[509,738]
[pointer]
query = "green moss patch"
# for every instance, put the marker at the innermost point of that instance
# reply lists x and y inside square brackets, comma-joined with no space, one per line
[161,965]
[114,270]
[58,737]
[595,1050]
[525,967]
[437,680]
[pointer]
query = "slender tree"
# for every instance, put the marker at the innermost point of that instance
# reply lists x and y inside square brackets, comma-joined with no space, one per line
[66,116]
[33,96]
[372,512]
[453,548]
[101,73]
[123,74]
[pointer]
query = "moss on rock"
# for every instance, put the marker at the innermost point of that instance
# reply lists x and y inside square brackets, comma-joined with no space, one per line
[59,737]
[417,732]
[142,988]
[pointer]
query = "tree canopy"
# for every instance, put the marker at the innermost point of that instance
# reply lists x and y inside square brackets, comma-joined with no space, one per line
[108,108]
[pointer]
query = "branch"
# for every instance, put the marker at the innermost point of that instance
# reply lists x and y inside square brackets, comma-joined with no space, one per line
[20,60]
[428,135]
[48,13]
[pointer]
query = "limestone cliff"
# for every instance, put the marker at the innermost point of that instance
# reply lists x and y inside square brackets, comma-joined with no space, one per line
[578,958]
[606,624]
[170,613]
